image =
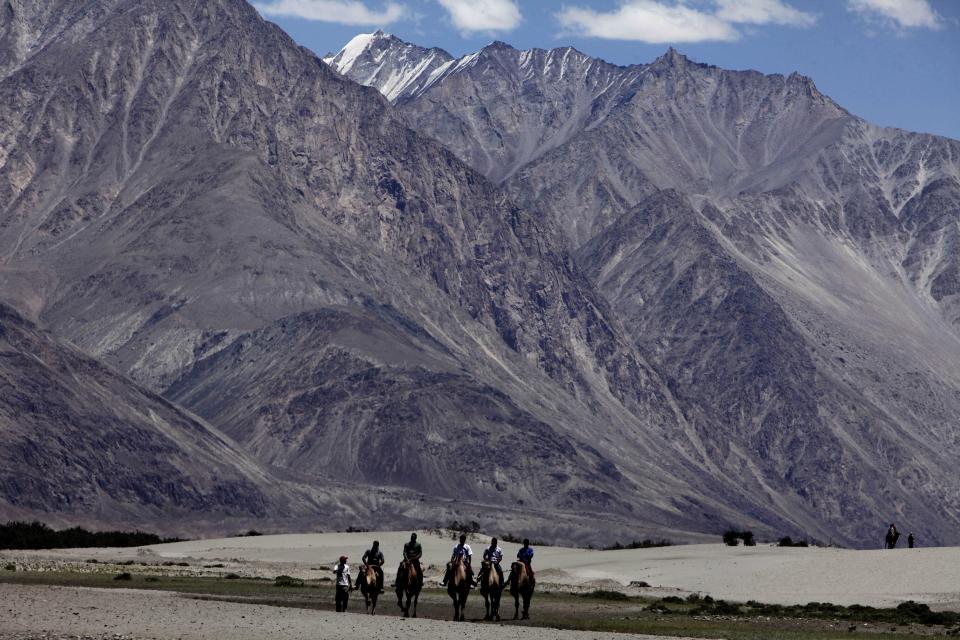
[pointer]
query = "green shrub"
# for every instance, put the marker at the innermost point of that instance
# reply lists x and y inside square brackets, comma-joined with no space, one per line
[787,541]
[123,576]
[10,567]
[36,535]
[731,538]
[605,594]
[231,576]
[287,581]
[671,600]
[638,544]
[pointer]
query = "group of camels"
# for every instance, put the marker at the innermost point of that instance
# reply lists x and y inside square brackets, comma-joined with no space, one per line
[519,583]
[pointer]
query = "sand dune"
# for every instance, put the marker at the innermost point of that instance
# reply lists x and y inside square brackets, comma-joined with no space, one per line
[764,573]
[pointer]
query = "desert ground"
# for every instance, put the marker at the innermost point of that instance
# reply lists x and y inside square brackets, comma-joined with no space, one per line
[71,612]
[51,595]
[764,573]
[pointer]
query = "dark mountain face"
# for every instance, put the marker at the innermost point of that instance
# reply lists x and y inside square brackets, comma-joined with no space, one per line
[81,442]
[793,289]
[210,209]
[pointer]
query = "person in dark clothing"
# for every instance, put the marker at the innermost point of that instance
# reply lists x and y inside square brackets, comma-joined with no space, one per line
[910,541]
[892,537]
[373,557]
[413,551]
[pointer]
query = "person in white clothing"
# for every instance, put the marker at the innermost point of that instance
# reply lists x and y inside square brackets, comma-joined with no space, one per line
[464,552]
[344,584]
[494,555]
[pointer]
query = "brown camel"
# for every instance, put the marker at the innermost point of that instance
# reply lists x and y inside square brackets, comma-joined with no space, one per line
[490,589]
[409,584]
[521,586]
[459,588]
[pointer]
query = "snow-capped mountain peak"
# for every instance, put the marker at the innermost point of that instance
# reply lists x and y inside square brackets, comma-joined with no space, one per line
[396,68]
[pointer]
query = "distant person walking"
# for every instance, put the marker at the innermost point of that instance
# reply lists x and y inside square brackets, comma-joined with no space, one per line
[910,541]
[892,536]
[344,584]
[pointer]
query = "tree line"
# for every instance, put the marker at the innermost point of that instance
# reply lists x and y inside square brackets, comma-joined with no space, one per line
[37,535]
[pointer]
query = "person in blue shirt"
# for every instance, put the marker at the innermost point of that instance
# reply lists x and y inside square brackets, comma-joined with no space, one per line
[525,555]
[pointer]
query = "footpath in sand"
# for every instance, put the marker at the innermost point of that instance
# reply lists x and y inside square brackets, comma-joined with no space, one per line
[764,573]
[54,612]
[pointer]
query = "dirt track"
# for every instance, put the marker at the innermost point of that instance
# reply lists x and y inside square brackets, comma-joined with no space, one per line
[57,612]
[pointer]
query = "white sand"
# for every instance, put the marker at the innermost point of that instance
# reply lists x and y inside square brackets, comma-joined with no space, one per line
[764,573]
[71,611]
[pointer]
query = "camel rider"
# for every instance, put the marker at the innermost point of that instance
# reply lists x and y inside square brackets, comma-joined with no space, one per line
[463,552]
[525,555]
[412,551]
[373,557]
[494,555]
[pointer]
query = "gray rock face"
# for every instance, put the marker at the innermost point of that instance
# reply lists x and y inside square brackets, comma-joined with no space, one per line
[182,187]
[796,289]
[79,441]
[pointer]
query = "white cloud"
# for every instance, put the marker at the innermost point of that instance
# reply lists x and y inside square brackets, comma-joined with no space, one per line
[763,12]
[648,21]
[471,16]
[906,14]
[340,11]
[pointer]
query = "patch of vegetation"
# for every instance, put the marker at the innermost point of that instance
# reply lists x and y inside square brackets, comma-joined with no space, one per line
[10,567]
[249,534]
[36,535]
[213,566]
[152,579]
[640,584]
[732,538]
[123,576]
[287,581]
[127,563]
[638,544]
[231,576]
[787,541]
[904,614]
[605,594]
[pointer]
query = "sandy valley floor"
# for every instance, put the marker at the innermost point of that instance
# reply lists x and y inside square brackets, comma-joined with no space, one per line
[62,612]
[764,573]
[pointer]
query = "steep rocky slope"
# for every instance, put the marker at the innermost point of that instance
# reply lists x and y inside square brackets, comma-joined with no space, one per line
[798,289]
[79,442]
[200,203]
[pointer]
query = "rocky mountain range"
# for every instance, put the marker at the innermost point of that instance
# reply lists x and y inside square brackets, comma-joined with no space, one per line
[788,268]
[527,288]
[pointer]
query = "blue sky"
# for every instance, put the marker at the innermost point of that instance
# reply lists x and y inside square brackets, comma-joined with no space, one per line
[893,62]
